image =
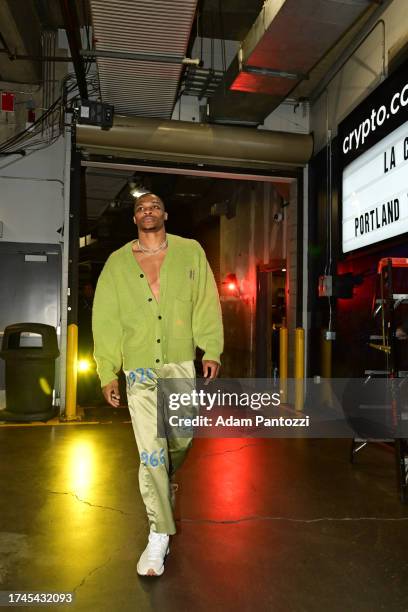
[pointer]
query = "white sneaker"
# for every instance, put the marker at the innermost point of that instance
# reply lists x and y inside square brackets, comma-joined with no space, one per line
[151,562]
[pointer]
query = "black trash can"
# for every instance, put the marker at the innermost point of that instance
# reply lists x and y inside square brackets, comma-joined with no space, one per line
[30,373]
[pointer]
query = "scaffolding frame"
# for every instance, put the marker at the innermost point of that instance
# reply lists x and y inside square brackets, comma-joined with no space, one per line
[386,304]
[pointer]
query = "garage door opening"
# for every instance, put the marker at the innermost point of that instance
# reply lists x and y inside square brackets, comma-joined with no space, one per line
[245,221]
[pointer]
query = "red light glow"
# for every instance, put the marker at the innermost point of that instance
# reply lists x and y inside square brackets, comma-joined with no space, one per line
[230,283]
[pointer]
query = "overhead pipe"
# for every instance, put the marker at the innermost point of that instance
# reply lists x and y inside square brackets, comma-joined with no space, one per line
[142,57]
[72,29]
[196,143]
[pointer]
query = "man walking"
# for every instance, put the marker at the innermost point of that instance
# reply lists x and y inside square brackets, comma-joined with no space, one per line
[155,302]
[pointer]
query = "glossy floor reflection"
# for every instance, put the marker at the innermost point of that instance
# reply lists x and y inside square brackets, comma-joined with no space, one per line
[281,525]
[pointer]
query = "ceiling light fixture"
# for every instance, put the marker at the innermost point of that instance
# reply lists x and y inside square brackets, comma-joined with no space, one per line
[137,189]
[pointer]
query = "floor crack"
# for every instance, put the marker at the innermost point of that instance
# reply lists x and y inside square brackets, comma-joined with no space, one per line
[224,452]
[89,574]
[84,501]
[320,519]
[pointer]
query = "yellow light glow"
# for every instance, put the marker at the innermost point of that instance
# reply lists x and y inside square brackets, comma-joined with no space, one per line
[84,365]
[81,467]
[45,386]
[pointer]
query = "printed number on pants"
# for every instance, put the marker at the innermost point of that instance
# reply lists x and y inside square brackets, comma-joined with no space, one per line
[141,374]
[154,459]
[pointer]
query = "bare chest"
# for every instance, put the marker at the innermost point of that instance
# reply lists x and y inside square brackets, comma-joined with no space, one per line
[151,265]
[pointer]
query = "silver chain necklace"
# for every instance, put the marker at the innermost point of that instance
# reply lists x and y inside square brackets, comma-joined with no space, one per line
[144,249]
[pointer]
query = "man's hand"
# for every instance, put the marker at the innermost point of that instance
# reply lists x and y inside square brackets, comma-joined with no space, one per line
[210,370]
[111,393]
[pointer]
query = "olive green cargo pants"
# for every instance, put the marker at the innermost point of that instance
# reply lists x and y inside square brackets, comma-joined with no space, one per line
[159,457]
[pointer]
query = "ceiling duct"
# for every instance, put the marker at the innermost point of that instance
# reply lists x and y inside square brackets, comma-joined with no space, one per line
[194,143]
[286,41]
[150,29]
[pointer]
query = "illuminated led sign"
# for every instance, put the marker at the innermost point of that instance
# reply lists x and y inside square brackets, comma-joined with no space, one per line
[375,192]
[373,147]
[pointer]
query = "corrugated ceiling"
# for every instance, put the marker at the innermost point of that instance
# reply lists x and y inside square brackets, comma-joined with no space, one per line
[162,27]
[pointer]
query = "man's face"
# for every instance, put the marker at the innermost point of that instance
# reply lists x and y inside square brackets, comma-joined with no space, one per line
[149,213]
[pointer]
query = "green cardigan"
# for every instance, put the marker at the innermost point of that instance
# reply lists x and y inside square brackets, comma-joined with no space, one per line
[131,329]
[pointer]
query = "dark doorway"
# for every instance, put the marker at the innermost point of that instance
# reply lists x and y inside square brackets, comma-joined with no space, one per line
[270,316]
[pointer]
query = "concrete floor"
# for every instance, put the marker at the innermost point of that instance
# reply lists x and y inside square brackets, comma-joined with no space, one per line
[280,525]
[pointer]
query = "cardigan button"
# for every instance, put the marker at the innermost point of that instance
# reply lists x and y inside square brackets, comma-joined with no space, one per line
[158,339]
[149,299]
[142,276]
[157,360]
[159,317]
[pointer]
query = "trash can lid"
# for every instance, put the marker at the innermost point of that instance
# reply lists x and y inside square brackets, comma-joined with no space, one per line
[12,333]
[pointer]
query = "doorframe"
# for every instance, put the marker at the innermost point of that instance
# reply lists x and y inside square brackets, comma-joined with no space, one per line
[296,176]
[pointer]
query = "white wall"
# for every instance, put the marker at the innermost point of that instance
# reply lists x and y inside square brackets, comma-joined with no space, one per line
[187,108]
[361,73]
[31,196]
[288,117]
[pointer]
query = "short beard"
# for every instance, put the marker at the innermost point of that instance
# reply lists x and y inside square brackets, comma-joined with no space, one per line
[151,230]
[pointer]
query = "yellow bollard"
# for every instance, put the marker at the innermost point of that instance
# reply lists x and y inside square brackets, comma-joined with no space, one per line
[299,353]
[72,358]
[299,367]
[283,363]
